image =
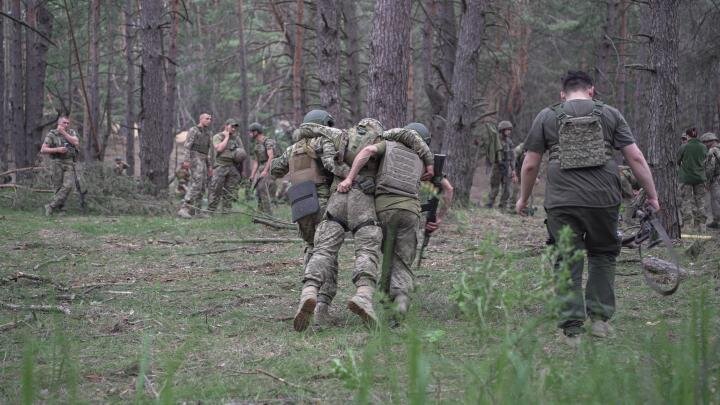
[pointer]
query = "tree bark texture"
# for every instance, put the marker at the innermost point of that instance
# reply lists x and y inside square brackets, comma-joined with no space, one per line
[153,159]
[462,111]
[244,94]
[605,62]
[520,41]
[297,66]
[662,145]
[17,116]
[388,75]
[130,117]
[40,18]
[92,114]
[171,79]
[4,155]
[328,55]
[353,72]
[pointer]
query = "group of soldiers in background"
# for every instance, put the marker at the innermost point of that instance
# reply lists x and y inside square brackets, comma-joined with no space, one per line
[698,173]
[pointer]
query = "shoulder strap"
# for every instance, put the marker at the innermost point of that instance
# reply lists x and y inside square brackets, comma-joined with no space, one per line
[598,107]
[559,112]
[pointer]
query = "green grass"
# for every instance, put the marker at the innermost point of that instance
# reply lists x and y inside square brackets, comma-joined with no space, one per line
[167,327]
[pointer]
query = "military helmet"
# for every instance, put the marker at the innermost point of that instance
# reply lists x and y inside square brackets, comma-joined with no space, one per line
[256,126]
[421,129]
[708,137]
[504,125]
[321,117]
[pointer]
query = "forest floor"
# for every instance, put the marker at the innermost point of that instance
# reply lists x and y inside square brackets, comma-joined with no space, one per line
[151,318]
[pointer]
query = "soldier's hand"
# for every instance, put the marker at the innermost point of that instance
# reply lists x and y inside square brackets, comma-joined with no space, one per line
[521,207]
[61,149]
[344,186]
[185,165]
[210,171]
[429,173]
[653,203]
[433,226]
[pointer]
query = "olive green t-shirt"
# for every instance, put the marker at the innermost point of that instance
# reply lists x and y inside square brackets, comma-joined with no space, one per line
[225,158]
[384,202]
[586,187]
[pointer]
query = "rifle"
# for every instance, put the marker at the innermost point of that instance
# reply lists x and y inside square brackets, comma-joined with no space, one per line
[83,205]
[431,206]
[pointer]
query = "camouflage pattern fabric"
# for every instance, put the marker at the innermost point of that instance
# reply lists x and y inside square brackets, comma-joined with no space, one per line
[693,203]
[62,180]
[715,201]
[307,227]
[198,181]
[223,187]
[400,240]
[581,139]
[182,177]
[263,192]
[501,175]
[712,171]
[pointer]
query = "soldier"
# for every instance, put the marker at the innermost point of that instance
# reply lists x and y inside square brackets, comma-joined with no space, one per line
[197,157]
[310,162]
[182,177]
[691,174]
[228,151]
[712,172]
[264,153]
[352,211]
[62,145]
[583,193]
[503,170]
[629,188]
[120,166]
[397,205]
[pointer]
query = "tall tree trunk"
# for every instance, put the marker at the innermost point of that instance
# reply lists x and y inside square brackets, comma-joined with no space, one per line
[328,60]
[171,79]
[130,118]
[352,76]
[244,94]
[108,108]
[297,67]
[606,52]
[17,106]
[388,73]
[462,110]
[662,132]
[4,155]
[91,124]
[621,76]
[153,159]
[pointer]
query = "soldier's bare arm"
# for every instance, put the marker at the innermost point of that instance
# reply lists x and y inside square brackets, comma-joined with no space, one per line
[635,159]
[528,174]
[70,137]
[280,166]
[360,161]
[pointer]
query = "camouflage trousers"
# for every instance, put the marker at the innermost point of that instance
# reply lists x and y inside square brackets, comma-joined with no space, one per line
[715,200]
[263,192]
[693,203]
[198,182]
[498,180]
[399,248]
[353,211]
[307,227]
[223,187]
[63,181]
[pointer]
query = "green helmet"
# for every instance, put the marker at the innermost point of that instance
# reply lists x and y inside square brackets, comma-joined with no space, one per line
[321,117]
[256,126]
[708,137]
[504,125]
[420,129]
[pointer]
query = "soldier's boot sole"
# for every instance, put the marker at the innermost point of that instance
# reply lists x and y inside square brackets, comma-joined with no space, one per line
[360,309]
[304,314]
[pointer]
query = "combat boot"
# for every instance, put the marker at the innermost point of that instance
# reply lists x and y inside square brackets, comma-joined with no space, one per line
[401,302]
[48,210]
[361,304]
[184,213]
[308,300]
[322,314]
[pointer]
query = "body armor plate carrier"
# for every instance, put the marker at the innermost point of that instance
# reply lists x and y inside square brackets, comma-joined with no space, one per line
[303,200]
[303,165]
[582,142]
[400,171]
[201,143]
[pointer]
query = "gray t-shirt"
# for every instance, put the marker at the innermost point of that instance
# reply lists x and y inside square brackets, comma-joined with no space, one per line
[587,187]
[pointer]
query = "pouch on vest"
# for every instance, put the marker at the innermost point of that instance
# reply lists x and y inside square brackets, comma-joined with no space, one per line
[303,200]
[303,166]
[581,141]
[400,171]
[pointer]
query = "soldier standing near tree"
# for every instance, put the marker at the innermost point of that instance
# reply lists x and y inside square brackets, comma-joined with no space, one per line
[583,194]
[264,152]
[62,145]
[228,152]
[197,156]
[503,169]
[712,172]
[691,174]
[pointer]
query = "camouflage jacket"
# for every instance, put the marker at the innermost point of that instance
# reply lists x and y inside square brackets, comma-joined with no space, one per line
[55,139]
[324,148]
[712,165]
[197,138]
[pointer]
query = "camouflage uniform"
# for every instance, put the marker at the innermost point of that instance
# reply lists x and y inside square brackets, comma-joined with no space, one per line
[691,175]
[182,176]
[519,153]
[266,184]
[712,171]
[323,150]
[629,187]
[226,177]
[502,173]
[197,150]
[62,167]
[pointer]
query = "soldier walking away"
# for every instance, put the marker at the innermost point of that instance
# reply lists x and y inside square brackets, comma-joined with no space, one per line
[691,174]
[311,165]
[264,152]
[503,169]
[712,172]
[583,193]
[197,156]
[120,167]
[397,205]
[62,144]
[228,153]
[352,211]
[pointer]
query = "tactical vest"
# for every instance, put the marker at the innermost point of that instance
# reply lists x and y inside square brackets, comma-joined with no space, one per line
[399,172]
[303,165]
[581,140]
[227,157]
[58,140]
[355,143]
[201,143]
[261,151]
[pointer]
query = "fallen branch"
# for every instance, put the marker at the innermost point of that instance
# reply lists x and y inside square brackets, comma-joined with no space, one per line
[272,224]
[284,381]
[23,169]
[663,267]
[37,308]
[213,251]
[16,186]
[260,240]
[34,277]
[58,260]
